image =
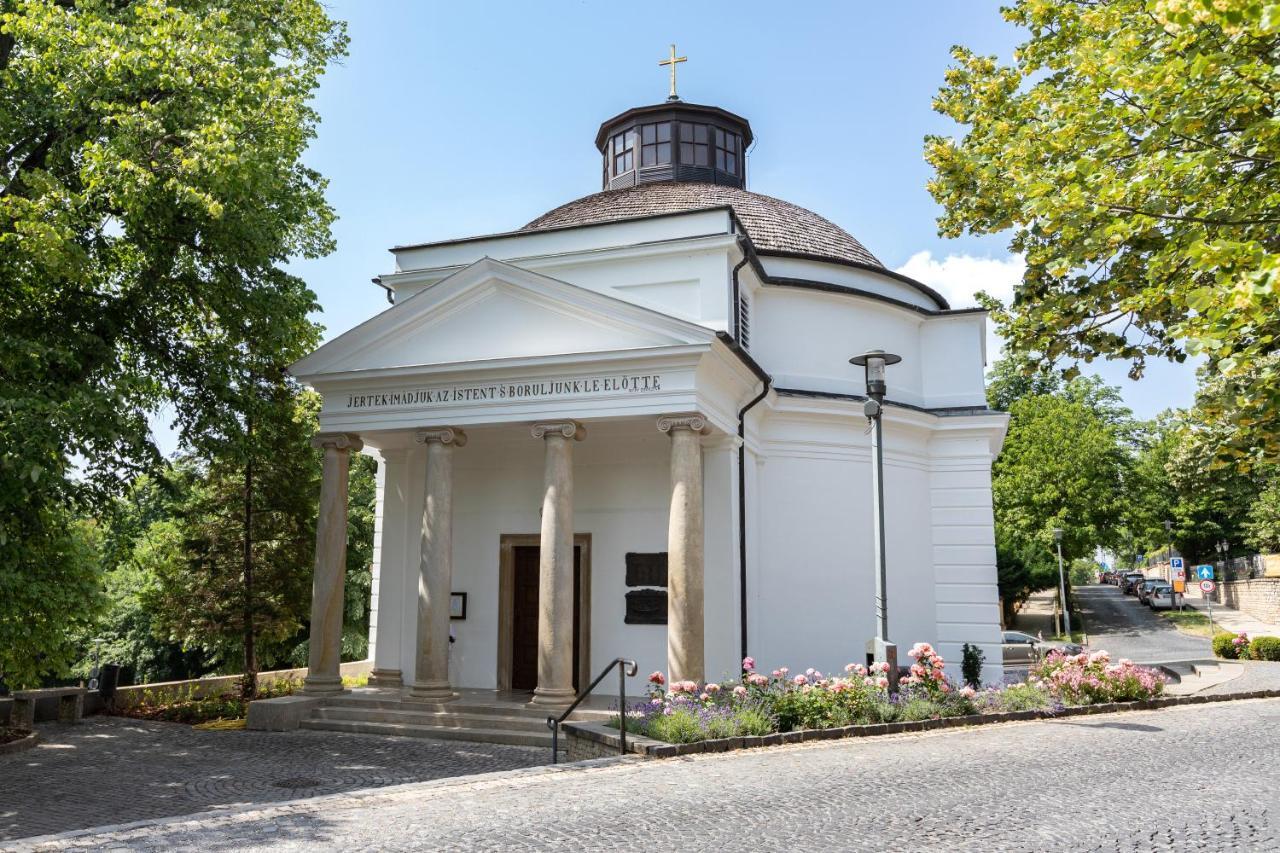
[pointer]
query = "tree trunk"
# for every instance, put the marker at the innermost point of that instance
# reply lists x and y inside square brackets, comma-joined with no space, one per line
[249,688]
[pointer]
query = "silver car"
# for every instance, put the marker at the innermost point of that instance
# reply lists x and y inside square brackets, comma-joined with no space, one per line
[1162,597]
[1023,649]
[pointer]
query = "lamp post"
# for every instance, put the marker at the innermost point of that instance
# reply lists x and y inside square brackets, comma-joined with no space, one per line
[1168,538]
[1062,581]
[874,362]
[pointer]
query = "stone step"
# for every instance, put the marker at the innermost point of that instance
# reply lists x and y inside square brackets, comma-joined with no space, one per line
[355,699]
[502,736]
[450,718]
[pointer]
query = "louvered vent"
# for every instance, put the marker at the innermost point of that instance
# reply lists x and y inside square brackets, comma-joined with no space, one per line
[744,320]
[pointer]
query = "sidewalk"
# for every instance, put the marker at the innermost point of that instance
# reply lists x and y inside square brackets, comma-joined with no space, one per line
[1036,614]
[1230,619]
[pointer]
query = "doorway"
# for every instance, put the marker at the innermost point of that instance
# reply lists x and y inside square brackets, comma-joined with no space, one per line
[518,593]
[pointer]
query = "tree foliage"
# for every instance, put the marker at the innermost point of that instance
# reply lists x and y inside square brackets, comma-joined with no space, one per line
[1063,465]
[242,590]
[151,188]
[1132,148]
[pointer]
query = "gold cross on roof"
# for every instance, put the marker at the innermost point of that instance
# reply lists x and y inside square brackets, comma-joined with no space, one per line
[672,62]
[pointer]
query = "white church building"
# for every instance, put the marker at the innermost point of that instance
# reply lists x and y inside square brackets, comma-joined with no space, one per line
[630,429]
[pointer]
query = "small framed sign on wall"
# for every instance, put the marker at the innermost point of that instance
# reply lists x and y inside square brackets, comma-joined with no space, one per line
[458,605]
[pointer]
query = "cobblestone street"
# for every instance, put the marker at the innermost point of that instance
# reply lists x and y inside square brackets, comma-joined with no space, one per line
[1098,783]
[111,770]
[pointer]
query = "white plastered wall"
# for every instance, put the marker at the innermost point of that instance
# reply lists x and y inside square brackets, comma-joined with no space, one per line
[812,589]
[621,498]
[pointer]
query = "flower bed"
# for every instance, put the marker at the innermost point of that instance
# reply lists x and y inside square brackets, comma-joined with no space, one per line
[191,707]
[759,704]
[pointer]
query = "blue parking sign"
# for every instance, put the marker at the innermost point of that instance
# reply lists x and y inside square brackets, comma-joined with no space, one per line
[1204,573]
[1175,562]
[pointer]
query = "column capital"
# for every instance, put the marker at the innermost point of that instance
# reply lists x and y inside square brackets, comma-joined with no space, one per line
[564,429]
[336,441]
[693,422]
[443,435]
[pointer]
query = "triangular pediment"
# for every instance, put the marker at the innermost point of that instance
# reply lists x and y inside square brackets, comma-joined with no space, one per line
[492,310]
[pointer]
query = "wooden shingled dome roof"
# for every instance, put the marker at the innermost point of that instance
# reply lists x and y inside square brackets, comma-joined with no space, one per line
[774,225]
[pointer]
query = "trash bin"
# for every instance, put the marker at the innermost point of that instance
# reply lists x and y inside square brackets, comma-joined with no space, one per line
[108,679]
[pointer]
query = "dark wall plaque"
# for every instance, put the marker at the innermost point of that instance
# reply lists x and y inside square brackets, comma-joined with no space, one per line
[647,569]
[646,607]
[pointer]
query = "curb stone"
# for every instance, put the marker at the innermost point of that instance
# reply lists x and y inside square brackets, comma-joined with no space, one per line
[20,745]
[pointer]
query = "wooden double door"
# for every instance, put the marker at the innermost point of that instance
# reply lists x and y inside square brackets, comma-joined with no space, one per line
[524,586]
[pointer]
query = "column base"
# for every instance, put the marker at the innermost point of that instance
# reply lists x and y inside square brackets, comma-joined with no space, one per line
[386,678]
[322,685]
[430,691]
[553,697]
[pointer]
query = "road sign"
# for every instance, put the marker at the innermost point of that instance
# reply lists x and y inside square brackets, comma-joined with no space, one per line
[1206,586]
[1176,562]
[1205,573]
[1179,573]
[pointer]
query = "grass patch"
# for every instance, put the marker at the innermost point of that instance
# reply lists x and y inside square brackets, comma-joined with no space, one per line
[220,726]
[1188,621]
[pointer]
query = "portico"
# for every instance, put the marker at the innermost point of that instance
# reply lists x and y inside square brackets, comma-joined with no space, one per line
[540,445]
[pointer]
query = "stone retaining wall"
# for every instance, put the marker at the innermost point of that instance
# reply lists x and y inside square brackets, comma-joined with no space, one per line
[1259,597]
[133,694]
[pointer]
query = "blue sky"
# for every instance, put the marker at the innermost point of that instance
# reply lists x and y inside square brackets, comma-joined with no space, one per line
[450,119]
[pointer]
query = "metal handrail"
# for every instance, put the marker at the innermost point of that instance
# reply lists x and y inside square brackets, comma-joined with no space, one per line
[625,668]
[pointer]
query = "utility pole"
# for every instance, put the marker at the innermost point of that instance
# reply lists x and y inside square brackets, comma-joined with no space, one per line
[1062,581]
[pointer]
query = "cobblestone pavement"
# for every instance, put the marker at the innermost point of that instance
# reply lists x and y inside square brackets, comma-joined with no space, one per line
[110,770]
[1257,675]
[1128,628]
[1081,784]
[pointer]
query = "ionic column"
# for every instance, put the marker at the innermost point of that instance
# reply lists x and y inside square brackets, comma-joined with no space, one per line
[685,641]
[555,565]
[388,569]
[435,571]
[329,580]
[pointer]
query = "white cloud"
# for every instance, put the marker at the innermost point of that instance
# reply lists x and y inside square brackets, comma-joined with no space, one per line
[959,277]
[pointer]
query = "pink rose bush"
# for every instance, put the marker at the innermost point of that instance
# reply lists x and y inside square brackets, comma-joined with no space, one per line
[761,702]
[1089,679]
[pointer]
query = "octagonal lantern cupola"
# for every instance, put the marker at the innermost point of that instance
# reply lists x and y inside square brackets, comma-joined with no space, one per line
[674,141]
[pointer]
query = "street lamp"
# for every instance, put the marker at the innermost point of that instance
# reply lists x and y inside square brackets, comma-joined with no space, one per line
[1168,538]
[1062,580]
[874,362]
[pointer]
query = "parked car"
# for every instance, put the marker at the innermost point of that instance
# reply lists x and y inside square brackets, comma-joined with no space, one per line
[1162,597]
[1129,584]
[1024,649]
[1144,588]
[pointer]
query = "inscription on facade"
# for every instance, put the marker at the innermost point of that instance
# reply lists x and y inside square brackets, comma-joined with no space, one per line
[618,384]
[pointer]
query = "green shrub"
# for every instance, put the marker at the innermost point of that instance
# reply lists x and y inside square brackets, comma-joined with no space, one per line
[1265,648]
[1024,697]
[753,722]
[971,662]
[919,708]
[1223,647]
[679,726]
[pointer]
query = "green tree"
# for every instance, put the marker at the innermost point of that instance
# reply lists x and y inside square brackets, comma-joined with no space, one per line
[141,540]
[151,188]
[242,592]
[1063,465]
[1132,149]
[1262,527]
[1014,377]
